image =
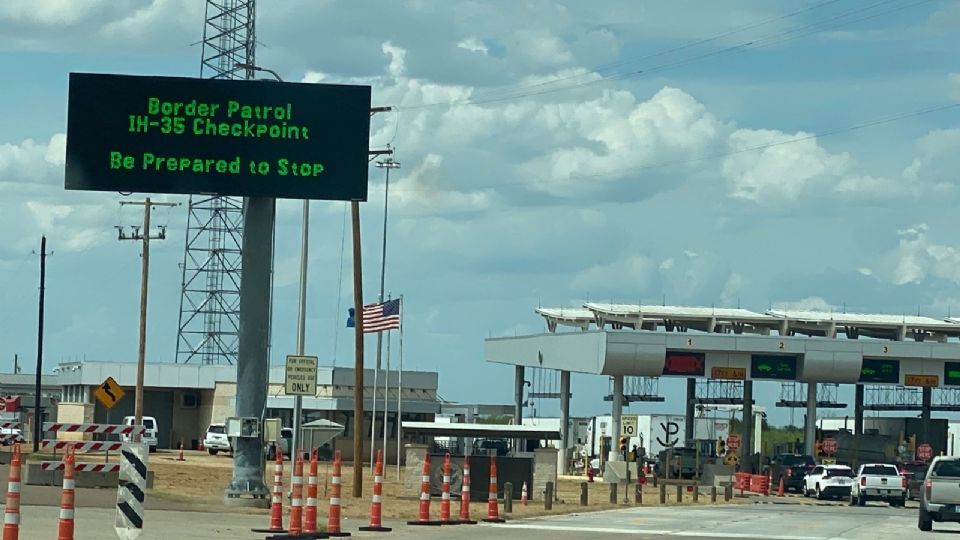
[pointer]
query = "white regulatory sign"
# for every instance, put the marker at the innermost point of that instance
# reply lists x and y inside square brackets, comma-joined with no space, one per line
[628,426]
[301,376]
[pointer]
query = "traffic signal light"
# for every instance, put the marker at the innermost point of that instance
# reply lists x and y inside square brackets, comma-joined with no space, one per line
[721,447]
[623,444]
[819,447]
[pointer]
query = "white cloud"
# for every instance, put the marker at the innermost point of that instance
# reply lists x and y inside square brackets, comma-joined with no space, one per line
[780,172]
[473,44]
[49,12]
[398,58]
[731,289]
[937,160]
[629,274]
[919,258]
[864,271]
[810,303]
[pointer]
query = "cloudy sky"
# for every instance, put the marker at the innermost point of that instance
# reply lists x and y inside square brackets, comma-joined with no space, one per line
[753,153]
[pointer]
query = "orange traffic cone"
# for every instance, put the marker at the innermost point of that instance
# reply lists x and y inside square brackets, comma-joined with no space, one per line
[65,527]
[493,511]
[310,513]
[780,489]
[11,513]
[424,516]
[523,494]
[180,457]
[202,448]
[465,494]
[333,519]
[376,504]
[296,498]
[276,502]
[445,493]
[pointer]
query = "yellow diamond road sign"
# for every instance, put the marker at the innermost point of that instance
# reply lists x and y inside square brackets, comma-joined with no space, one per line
[109,393]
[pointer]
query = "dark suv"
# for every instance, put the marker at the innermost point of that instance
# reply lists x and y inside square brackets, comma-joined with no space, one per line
[791,468]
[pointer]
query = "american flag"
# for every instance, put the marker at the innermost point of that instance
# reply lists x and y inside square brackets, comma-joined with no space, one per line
[382,316]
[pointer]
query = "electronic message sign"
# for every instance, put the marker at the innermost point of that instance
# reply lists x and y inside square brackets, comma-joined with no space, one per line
[880,371]
[951,373]
[772,366]
[219,137]
[685,364]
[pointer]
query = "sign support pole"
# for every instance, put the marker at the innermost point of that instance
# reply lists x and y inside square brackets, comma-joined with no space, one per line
[358,358]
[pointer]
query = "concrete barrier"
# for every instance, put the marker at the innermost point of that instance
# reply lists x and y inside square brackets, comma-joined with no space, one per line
[34,475]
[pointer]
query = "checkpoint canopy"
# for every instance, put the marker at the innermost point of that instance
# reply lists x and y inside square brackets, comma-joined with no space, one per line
[736,344]
[505,431]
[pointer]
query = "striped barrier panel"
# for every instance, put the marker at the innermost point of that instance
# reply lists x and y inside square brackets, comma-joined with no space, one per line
[86,446]
[93,428]
[6,440]
[9,425]
[84,467]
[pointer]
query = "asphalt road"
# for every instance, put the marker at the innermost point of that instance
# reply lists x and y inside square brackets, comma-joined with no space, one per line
[797,520]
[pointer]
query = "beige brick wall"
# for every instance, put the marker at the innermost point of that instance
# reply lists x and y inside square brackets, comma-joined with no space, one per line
[73,413]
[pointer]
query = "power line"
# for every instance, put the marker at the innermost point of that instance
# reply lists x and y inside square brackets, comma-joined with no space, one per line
[767,41]
[719,155]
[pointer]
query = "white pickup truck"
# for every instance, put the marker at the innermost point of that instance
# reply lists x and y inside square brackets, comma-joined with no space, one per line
[940,496]
[878,482]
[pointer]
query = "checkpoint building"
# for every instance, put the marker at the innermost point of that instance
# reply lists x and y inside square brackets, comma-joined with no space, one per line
[919,354]
[185,399]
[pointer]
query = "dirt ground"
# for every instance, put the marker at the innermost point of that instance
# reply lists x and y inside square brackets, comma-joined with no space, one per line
[202,478]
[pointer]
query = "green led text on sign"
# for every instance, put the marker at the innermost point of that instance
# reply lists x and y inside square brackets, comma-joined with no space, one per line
[951,373]
[203,136]
[769,366]
[880,371]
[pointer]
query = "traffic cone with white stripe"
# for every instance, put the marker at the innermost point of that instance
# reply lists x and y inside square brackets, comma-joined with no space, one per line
[465,494]
[310,513]
[276,501]
[65,527]
[523,494]
[445,494]
[296,499]
[11,512]
[493,510]
[424,515]
[376,504]
[180,457]
[333,519]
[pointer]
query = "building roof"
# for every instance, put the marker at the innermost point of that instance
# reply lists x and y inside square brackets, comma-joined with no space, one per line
[505,431]
[869,324]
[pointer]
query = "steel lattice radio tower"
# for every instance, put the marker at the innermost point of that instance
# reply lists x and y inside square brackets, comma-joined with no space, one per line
[210,292]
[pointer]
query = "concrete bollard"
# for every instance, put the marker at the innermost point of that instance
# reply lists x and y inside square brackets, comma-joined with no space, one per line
[679,493]
[727,493]
[583,493]
[626,488]
[713,494]
[654,480]
[507,497]
[638,493]
[663,494]
[613,492]
[548,497]
[696,492]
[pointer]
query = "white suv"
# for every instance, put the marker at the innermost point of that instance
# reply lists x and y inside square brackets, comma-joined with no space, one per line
[150,432]
[216,439]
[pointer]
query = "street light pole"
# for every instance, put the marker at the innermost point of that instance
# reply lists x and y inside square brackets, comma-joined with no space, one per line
[387,164]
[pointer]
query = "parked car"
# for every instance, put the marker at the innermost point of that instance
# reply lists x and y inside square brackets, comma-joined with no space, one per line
[940,497]
[879,482]
[828,481]
[914,471]
[149,436]
[500,445]
[215,440]
[792,468]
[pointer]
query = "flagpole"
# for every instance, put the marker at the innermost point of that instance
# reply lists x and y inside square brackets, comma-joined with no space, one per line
[400,392]
[386,392]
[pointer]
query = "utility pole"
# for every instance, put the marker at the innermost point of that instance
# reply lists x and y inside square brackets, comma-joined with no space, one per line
[358,358]
[387,164]
[37,417]
[142,235]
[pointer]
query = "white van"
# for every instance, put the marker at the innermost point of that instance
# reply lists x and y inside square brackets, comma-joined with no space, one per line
[149,435]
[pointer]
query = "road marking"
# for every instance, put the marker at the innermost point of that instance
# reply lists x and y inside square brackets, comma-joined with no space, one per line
[695,534]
